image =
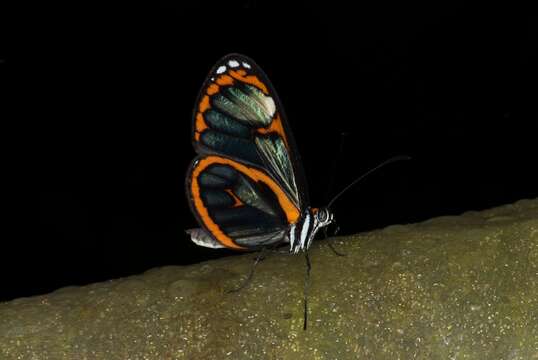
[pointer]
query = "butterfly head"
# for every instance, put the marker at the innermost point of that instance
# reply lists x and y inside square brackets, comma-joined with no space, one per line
[324,216]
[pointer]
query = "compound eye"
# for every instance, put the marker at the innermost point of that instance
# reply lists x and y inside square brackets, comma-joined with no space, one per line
[323,215]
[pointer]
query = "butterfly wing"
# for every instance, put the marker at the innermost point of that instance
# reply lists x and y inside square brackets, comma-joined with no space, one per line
[247,184]
[239,115]
[239,206]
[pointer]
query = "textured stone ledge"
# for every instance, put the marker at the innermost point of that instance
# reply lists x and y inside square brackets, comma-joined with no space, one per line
[458,287]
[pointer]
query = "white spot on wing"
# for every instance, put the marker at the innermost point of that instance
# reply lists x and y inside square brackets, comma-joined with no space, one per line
[201,238]
[233,63]
[247,65]
[270,105]
[221,69]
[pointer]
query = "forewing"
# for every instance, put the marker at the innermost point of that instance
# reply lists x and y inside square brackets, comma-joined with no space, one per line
[238,115]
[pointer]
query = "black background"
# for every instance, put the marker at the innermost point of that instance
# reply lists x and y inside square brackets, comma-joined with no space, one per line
[101,95]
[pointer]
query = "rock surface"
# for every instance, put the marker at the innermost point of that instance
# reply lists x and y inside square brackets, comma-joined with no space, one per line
[455,287]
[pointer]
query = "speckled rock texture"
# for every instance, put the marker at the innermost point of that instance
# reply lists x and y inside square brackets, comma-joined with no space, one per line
[456,287]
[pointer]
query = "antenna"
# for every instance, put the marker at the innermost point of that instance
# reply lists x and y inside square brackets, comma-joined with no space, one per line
[354,182]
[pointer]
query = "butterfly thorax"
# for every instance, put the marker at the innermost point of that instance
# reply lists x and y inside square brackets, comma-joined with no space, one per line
[301,233]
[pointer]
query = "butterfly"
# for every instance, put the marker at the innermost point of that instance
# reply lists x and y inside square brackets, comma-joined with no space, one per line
[246,186]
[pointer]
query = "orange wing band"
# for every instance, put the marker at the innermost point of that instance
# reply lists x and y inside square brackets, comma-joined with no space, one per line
[229,79]
[249,79]
[277,127]
[237,201]
[292,213]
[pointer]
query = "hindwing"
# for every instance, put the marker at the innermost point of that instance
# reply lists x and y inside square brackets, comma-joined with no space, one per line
[240,205]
